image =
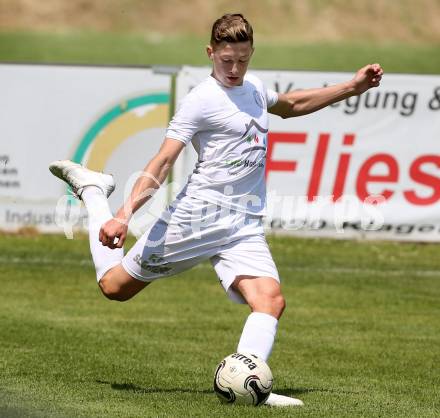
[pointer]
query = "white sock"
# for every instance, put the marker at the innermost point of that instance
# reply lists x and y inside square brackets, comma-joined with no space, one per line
[99,212]
[258,335]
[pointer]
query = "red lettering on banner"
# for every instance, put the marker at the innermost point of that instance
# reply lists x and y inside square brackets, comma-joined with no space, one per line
[318,166]
[425,179]
[364,176]
[284,138]
[342,170]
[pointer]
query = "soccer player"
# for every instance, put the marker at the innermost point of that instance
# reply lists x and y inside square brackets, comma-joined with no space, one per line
[218,214]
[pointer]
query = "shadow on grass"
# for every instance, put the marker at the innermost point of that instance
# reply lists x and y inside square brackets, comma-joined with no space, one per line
[139,389]
[16,412]
[281,391]
[302,391]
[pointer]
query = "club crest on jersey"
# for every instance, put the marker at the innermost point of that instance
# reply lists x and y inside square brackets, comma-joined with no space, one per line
[252,138]
[254,124]
[259,99]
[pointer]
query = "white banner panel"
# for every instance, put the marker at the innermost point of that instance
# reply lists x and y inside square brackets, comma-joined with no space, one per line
[368,166]
[110,119]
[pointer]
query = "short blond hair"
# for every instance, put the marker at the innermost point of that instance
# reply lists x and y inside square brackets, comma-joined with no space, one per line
[231,28]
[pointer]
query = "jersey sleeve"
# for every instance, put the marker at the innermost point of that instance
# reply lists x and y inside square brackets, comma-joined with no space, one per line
[271,98]
[187,121]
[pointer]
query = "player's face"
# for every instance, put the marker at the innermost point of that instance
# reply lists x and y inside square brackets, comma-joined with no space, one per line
[230,62]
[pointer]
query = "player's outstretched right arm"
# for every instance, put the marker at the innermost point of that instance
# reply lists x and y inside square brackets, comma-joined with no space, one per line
[153,175]
[303,102]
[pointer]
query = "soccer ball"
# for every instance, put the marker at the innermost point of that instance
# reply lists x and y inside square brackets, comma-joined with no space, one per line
[244,379]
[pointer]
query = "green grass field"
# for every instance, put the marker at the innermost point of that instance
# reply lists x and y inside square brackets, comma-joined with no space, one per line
[360,336]
[128,49]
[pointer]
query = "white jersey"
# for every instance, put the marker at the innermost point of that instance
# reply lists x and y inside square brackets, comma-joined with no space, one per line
[228,128]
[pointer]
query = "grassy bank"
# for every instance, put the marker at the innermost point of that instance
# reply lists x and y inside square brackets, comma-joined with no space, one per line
[94,48]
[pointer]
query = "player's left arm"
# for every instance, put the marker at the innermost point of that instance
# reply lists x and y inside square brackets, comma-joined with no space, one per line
[303,102]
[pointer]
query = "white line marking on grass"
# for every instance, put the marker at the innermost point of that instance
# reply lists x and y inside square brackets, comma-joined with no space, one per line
[305,269]
[44,261]
[359,270]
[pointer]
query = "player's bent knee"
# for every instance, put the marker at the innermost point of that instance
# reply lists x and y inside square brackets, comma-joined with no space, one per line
[112,291]
[274,305]
[118,285]
[271,304]
[262,294]
[279,304]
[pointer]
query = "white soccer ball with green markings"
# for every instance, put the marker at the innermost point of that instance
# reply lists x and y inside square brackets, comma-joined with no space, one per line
[244,379]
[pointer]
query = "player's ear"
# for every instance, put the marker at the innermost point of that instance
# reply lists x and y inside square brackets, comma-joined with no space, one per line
[209,51]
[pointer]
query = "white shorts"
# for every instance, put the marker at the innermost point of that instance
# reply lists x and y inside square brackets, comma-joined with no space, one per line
[191,231]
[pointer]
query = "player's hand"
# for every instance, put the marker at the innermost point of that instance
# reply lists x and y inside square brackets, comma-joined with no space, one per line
[367,77]
[113,233]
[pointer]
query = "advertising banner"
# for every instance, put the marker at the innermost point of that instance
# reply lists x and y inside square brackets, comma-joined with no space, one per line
[366,167]
[110,119]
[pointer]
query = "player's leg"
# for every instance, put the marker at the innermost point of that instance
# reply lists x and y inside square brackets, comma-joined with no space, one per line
[98,209]
[248,274]
[264,297]
[93,189]
[113,280]
[257,284]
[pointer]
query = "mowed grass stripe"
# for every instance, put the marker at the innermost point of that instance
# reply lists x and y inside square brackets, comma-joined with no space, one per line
[131,49]
[313,269]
